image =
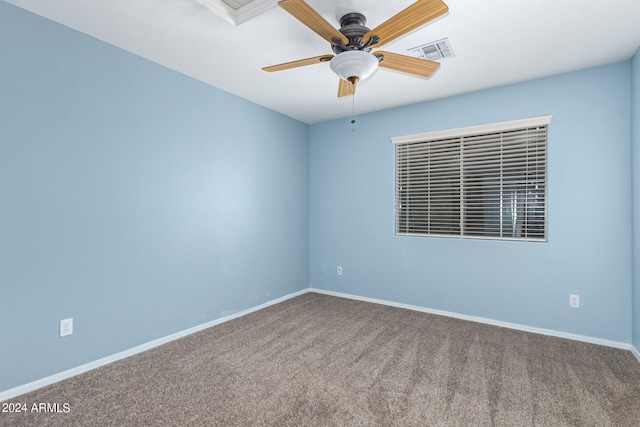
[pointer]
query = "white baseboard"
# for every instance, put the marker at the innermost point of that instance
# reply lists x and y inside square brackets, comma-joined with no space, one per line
[516,326]
[636,353]
[26,388]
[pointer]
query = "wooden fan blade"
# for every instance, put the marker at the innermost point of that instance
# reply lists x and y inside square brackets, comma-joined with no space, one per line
[299,63]
[346,88]
[312,19]
[409,19]
[407,64]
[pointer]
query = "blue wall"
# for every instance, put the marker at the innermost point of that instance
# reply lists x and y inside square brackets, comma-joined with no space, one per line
[133,199]
[352,211]
[635,160]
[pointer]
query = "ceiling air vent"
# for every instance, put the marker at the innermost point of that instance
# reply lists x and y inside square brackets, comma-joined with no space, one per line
[434,51]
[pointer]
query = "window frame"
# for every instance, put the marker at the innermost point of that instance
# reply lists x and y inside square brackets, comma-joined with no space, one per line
[461,133]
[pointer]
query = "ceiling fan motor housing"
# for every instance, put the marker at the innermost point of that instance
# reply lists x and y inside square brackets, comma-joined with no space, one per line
[352,27]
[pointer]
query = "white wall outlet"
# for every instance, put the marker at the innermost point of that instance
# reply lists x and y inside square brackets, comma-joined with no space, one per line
[66,327]
[574,301]
[339,271]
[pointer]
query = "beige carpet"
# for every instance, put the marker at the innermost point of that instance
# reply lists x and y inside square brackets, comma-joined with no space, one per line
[317,360]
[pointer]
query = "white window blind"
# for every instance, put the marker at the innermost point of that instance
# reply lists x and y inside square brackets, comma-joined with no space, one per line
[480,182]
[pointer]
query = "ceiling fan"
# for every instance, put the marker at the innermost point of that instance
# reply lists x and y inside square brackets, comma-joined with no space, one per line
[353,42]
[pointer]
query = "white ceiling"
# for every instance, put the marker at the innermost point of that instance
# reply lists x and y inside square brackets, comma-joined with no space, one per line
[496,42]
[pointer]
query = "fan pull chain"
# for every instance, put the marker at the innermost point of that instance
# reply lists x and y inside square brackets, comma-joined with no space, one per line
[353,109]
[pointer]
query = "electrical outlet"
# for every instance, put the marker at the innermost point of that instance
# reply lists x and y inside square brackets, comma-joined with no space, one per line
[339,271]
[323,268]
[66,327]
[574,301]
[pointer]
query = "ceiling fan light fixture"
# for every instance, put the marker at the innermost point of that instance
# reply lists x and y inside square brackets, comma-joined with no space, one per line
[354,63]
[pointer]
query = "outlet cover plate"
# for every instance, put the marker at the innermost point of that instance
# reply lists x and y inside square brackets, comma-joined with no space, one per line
[574,301]
[66,327]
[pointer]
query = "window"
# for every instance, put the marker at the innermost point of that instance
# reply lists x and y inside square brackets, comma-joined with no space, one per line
[479,182]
